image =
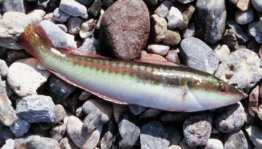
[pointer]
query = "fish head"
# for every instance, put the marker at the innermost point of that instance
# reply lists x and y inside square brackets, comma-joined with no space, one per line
[211,92]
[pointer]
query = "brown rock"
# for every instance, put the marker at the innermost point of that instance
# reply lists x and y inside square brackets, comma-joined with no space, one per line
[172,38]
[243,4]
[125,28]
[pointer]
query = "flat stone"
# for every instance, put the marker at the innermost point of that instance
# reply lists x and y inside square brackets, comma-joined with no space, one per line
[36,108]
[14,5]
[239,62]
[198,55]
[158,49]
[129,133]
[244,17]
[73,8]
[57,36]
[30,78]
[126,40]
[230,118]
[7,112]
[210,20]
[154,135]
[163,9]
[236,139]
[174,18]
[20,127]
[197,129]
[257,4]
[35,141]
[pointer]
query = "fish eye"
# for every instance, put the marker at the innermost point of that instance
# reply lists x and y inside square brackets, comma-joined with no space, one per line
[189,83]
[222,87]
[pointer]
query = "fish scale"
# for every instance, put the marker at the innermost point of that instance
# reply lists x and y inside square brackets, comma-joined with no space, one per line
[165,87]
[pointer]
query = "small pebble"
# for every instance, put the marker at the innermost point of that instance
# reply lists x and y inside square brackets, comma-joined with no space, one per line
[222,53]
[172,56]
[154,135]
[175,18]
[60,16]
[36,108]
[73,8]
[214,144]
[243,18]
[253,102]
[236,139]
[20,127]
[185,1]
[30,78]
[129,133]
[255,135]
[60,113]
[159,28]
[230,118]
[87,28]
[163,9]
[158,49]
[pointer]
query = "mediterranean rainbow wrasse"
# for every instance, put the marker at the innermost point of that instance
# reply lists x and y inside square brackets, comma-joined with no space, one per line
[164,87]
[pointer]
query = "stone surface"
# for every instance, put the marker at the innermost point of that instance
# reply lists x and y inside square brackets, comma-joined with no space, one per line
[172,38]
[30,78]
[255,135]
[95,8]
[57,36]
[158,49]
[236,139]
[159,28]
[198,55]
[59,89]
[14,5]
[174,18]
[66,143]
[58,132]
[3,68]
[81,137]
[244,17]
[73,8]
[230,39]
[242,61]
[214,144]
[230,118]
[174,117]
[154,135]
[253,101]
[136,109]
[190,31]
[7,112]
[36,108]
[129,133]
[150,113]
[210,20]
[242,36]
[197,129]
[222,53]
[187,13]
[9,144]
[255,32]
[163,9]
[172,56]
[60,113]
[5,134]
[257,4]
[126,40]
[108,138]
[60,16]
[90,45]
[35,141]
[20,127]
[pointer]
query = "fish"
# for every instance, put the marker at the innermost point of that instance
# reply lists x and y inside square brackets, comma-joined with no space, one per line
[155,85]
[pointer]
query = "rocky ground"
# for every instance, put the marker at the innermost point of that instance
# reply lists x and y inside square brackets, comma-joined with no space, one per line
[221,37]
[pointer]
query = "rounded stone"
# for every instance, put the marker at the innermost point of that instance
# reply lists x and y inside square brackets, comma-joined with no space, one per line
[125,28]
[244,17]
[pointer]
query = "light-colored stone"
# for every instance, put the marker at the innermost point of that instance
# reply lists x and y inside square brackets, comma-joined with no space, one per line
[222,53]
[24,77]
[175,18]
[158,49]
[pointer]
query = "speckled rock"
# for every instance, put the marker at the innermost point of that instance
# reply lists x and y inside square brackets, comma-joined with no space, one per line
[154,135]
[187,13]
[35,141]
[60,16]
[197,129]
[242,61]
[129,133]
[3,68]
[198,55]
[236,139]
[115,34]
[210,20]
[7,112]
[30,78]
[58,131]
[230,118]
[36,108]
[230,39]
[172,38]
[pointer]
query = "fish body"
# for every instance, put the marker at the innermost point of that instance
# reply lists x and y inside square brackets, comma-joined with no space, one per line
[164,87]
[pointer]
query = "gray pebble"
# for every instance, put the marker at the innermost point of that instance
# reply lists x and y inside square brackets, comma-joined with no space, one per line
[254,31]
[197,129]
[3,68]
[210,20]
[257,5]
[36,142]
[190,31]
[259,25]
[60,113]
[244,17]
[129,133]
[242,36]
[20,127]
[73,8]
[13,5]
[158,49]
[62,27]
[230,118]
[60,16]
[136,109]
[66,143]
[198,55]
[59,89]
[255,135]
[74,25]
[58,132]
[108,138]
[154,135]
[175,18]
[236,139]
[163,9]
[7,112]
[36,108]
[57,37]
